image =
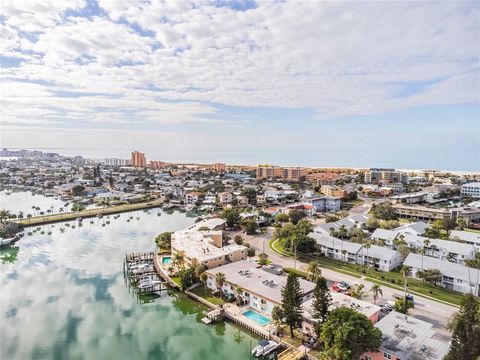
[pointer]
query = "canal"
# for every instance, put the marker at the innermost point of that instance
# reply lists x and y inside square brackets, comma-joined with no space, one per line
[63,296]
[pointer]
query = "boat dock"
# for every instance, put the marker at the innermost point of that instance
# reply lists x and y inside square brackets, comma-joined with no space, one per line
[140,273]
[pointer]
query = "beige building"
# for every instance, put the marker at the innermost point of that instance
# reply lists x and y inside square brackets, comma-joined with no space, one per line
[470,214]
[225,198]
[138,159]
[206,247]
[268,172]
[334,191]
[219,167]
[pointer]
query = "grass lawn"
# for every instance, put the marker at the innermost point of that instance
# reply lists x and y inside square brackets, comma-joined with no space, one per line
[347,205]
[392,279]
[472,230]
[206,294]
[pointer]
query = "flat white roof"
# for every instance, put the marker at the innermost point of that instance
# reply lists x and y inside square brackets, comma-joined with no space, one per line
[339,299]
[337,244]
[255,280]
[465,236]
[410,338]
[209,223]
[199,245]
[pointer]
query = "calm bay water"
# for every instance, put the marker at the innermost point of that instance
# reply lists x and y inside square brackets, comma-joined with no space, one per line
[63,296]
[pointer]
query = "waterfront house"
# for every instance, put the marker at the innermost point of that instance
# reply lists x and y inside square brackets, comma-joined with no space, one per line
[206,247]
[192,197]
[260,289]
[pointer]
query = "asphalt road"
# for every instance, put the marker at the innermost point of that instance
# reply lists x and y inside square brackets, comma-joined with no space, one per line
[425,309]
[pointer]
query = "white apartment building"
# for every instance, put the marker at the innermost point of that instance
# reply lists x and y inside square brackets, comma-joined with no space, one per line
[471,190]
[454,276]
[466,236]
[261,290]
[323,203]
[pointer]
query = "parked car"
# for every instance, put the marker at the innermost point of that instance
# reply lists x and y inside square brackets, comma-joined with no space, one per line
[386,308]
[409,297]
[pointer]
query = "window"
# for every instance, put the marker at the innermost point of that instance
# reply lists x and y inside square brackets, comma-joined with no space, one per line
[387,355]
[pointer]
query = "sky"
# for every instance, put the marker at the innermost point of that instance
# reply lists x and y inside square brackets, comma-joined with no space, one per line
[311,83]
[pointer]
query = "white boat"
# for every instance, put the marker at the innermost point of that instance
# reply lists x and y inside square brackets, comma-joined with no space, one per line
[148,283]
[8,241]
[264,347]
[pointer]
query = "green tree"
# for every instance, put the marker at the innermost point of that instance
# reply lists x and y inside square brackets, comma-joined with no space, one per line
[251,195]
[238,239]
[187,278]
[401,305]
[321,300]
[347,334]
[277,316]
[372,224]
[314,271]
[281,218]
[433,276]
[465,327]
[77,190]
[164,240]
[292,302]
[250,226]
[251,252]
[385,211]
[263,258]
[296,215]
[219,280]
[232,217]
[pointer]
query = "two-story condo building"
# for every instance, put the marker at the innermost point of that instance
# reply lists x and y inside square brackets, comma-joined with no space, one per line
[261,290]
[454,276]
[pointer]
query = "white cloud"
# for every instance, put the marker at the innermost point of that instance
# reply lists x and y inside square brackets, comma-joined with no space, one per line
[337,58]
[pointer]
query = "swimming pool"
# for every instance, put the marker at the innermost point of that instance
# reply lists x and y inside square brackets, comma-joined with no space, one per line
[258,318]
[166,260]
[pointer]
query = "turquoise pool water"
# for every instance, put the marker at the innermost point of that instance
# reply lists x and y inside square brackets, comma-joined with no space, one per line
[166,260]
[255,316]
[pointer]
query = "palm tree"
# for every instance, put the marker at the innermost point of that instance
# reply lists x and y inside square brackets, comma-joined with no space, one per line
[219,280]
[277,316]
[203,278]
[178,260]
[367,246]
[376,290]
[314,271]
[422,252]
[426,243]
[404,271]
[238,295]
[343,253]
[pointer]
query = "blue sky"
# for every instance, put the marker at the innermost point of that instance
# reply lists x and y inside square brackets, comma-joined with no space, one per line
[293,83]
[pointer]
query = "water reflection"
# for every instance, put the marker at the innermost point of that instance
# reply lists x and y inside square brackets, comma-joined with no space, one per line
[9,254]
[63,296]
